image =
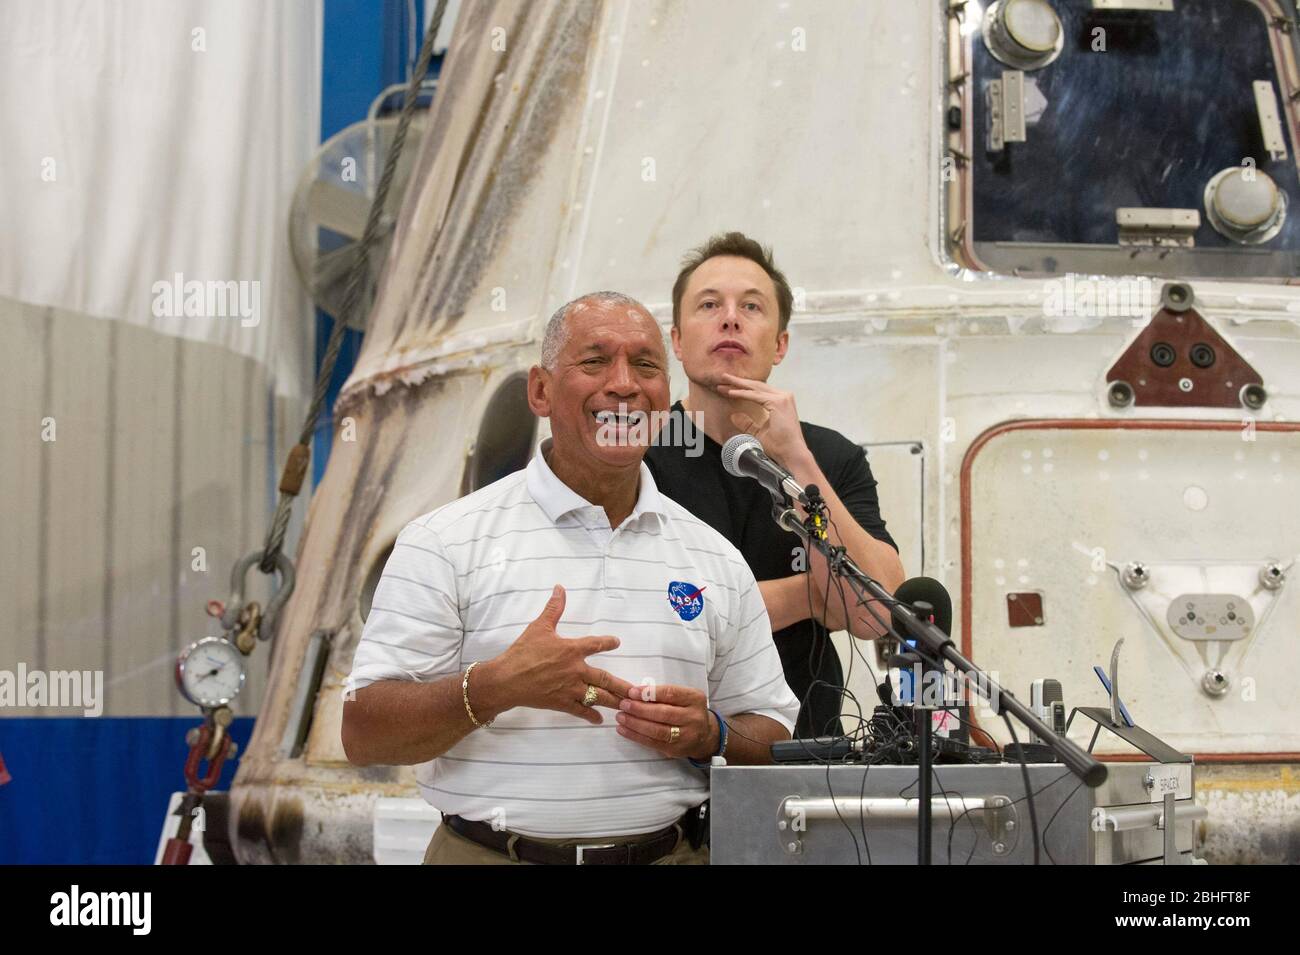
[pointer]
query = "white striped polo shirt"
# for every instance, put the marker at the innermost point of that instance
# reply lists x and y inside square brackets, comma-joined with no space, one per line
[465,580]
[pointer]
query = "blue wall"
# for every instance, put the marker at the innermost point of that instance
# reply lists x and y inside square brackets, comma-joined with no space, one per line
[95,790]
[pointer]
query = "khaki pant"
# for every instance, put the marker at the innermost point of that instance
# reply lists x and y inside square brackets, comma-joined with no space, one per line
[451,848]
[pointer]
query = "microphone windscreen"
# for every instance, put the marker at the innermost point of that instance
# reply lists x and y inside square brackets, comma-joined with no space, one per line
[932,592]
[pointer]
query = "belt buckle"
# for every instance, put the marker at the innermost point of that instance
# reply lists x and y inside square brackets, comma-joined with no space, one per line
[591,845]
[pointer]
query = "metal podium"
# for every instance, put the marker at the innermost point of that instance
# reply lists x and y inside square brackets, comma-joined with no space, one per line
[846,814]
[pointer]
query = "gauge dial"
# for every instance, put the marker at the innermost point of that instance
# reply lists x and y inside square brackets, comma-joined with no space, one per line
[210,673]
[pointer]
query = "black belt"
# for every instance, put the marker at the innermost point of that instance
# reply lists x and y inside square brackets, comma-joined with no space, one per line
[651,849]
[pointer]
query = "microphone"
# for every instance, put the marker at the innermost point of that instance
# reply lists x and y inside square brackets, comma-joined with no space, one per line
[743,456]
[930,591]
[938,603]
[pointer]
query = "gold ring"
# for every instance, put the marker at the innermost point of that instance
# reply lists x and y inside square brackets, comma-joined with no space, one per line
[674,733]
[589,698]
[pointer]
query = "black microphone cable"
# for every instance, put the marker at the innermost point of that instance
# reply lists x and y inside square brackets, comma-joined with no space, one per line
[816,657]
[1024,771]
[1039,791]
[1048,827]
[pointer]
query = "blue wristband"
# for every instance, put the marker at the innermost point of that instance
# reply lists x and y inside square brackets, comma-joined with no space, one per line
[722,743]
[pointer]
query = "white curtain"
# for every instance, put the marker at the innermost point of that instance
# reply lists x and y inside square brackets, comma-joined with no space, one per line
[141,140]
[145,139]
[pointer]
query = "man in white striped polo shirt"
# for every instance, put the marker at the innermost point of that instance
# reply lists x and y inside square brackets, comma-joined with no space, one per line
[460,669]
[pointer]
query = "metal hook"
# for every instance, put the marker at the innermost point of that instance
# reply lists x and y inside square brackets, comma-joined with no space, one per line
[235,605]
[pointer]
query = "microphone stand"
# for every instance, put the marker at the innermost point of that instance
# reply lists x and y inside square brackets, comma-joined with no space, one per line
[933,646]
[923,725]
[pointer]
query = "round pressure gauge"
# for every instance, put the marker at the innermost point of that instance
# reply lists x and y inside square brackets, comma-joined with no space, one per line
[210,672]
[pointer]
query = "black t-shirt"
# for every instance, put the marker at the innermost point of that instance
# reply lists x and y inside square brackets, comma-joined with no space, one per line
[741,510]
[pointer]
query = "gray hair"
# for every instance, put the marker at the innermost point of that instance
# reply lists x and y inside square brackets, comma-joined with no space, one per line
[556,335]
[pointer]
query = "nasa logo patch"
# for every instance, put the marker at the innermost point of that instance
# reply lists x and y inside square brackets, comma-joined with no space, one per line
[685,599]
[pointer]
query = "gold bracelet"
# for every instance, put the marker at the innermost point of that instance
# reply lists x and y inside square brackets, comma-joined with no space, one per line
[464,692]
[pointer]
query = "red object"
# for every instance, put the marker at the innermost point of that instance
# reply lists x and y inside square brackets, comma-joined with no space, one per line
[1025,609]
[4,773]
[1216,386]
[177,852]
[197,752]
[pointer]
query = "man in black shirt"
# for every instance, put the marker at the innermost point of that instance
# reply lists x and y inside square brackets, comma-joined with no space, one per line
[731,308]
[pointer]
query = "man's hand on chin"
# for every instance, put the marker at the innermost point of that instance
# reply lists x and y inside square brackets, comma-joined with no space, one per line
[774,421]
